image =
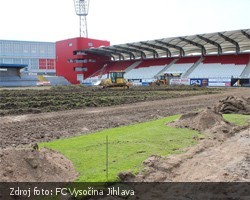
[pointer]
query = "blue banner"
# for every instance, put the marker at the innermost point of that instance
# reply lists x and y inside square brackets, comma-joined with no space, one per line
[199,81]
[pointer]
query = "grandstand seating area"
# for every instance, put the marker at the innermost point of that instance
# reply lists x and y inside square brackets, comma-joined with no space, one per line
[117,66]
[148,69]
[30,80]
[57,80]
[182,65]
[223,66]
[154,62]
[217,70]
[144,72]
[11,77]
[178,68]
[18,81]
[112,66]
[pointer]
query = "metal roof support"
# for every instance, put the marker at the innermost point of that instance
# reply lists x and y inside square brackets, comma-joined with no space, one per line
[231,41]
[211,42]
[182,52]
[203,50]
[131,55]
[168,52]
[155,54]
[121,57]
[246,34]
[143,55]
[100,52]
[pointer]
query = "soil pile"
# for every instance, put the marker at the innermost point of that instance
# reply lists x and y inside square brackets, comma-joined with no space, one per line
[224,157]
[209,161]
[29,165]
[206,121]
[236,105]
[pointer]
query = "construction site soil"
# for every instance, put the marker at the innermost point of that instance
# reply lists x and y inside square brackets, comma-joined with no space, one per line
[41,127]
[222,156]
[228,155]
[13,102]
[29,165]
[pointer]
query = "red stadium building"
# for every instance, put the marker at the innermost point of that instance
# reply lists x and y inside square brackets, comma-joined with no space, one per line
[76,66]
[218,58]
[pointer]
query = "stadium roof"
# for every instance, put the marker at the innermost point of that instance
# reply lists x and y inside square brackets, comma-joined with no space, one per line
[12,65]
[237,42]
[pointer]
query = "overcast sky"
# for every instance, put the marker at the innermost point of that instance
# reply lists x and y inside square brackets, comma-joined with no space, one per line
[120,21]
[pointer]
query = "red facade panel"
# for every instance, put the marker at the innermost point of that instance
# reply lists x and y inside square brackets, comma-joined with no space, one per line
[92,63]
[47,63]
[241,59]
[42,63]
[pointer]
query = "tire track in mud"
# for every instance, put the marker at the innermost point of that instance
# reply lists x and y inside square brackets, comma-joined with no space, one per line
[26,129]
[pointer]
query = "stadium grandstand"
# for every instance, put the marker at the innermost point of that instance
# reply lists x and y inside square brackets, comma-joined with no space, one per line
[28,63]
[213,59]
[11,76]
[38,56]
[221,58]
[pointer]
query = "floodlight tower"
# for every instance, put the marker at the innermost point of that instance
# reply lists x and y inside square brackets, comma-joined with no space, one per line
[82,9]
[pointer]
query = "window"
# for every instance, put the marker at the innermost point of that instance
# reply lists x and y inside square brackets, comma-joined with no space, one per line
[81,69]
[17,60]
[34,63]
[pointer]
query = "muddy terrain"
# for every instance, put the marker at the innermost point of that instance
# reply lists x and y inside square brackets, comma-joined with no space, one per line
[213,159]
[16,102]
[22,130]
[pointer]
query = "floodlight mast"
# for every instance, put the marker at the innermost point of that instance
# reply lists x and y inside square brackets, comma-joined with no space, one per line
[82,9]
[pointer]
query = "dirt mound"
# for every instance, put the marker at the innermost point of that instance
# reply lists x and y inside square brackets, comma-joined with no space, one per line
[222,157]
[28,165]
[206,121]
[209,161]
[234,105]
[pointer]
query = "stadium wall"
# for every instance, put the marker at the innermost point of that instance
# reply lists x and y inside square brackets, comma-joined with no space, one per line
[75,68]
[38,56]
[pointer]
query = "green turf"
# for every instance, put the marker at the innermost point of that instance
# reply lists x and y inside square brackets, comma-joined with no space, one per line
[237,119]
[128,147]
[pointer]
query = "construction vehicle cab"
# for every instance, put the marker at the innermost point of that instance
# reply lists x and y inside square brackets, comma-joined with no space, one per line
[115,79]
[161,80]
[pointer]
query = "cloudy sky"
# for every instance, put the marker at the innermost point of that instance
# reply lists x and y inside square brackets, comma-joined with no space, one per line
[120,21]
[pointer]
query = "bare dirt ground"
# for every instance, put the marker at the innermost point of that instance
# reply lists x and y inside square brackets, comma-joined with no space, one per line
[227,159]
[221,157]
[29,165]
[25,129]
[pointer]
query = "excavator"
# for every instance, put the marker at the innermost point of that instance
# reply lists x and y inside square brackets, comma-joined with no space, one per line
[115,79]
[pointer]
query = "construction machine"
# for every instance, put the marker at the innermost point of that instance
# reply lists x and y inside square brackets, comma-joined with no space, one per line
[115,79]
[161,80]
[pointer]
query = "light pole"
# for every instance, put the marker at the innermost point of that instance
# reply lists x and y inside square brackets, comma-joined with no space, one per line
[82,9]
